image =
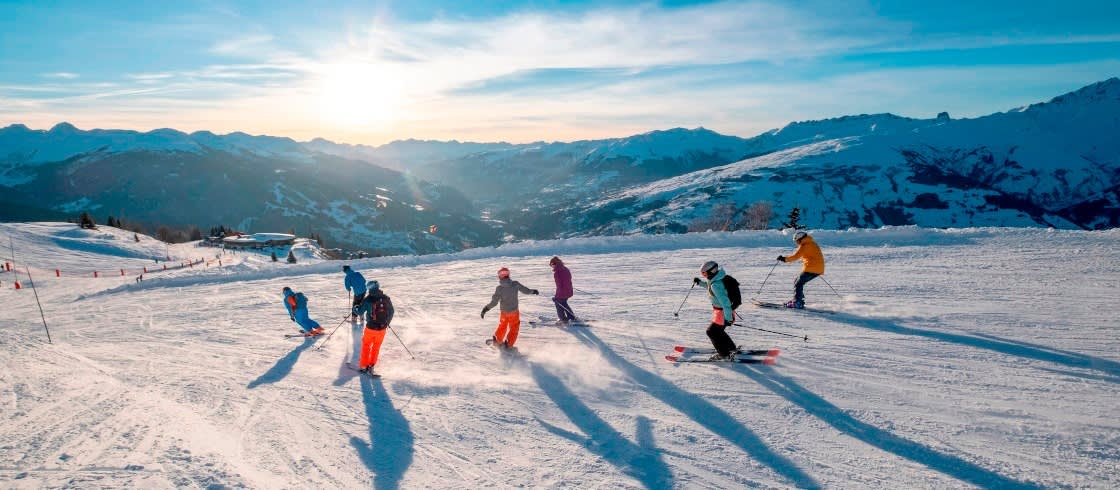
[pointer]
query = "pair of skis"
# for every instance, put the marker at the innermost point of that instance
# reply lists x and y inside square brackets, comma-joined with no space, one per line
[359,371]
[552,322]
[780,306]
[503,350]
[704,354]
[301,335]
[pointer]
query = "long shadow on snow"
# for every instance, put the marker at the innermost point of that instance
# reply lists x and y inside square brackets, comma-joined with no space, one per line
[831,414]
[1009,347]
[702,412]
[345,374]
[283,366]
[390,453]
[641,461]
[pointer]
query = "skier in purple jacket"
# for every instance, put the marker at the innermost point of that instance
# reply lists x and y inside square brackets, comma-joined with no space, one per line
[563,278]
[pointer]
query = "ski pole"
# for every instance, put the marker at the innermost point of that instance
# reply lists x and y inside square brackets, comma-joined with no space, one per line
[802,337]
[36,291]
[676,313]
[832,288]
[585,292]
[402,343]
[324,342]
[764,280]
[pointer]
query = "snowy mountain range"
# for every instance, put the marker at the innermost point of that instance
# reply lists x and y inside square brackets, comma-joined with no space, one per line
[253,183]
[1049,164]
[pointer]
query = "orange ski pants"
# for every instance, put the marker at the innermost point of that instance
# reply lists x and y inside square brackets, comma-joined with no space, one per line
[371,347]
[508,325]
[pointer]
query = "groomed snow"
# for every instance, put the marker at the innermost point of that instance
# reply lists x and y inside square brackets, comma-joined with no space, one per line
[956,359]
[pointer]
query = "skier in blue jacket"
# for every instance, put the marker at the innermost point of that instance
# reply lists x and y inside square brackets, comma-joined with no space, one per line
[357,283]
[296,306]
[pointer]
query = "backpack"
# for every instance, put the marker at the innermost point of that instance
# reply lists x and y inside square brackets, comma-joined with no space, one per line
[379,312]
[301,300]
[733,293]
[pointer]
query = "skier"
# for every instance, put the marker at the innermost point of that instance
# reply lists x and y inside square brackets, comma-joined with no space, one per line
[510,321]
[357,283]
[296,305]
[377,310]
[563,278]
[722,313]
[810,254]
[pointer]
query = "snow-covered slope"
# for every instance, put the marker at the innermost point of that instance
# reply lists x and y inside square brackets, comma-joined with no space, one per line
[956,359]
[1053,164]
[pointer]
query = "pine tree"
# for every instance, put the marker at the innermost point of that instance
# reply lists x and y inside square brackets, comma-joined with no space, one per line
[794,219]
[274,258]
[86,221]
[291,257]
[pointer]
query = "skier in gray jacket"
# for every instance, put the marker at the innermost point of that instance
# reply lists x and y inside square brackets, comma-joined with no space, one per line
[510,321]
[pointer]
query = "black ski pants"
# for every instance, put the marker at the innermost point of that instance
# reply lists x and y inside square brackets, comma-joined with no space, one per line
[799,285]
[357,302]
[720,340]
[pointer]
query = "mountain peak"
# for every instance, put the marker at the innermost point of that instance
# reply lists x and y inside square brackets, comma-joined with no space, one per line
[1103,90]
[64,127]
[17,127]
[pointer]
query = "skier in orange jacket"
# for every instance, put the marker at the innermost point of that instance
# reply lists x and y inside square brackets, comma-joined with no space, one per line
[810,254]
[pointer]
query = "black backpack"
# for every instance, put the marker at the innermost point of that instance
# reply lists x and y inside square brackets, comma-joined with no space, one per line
[733,293]
[379,312]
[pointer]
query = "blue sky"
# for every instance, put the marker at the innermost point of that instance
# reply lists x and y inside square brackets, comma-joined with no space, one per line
[374,71]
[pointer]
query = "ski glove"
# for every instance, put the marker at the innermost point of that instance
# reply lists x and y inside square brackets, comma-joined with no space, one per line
[535,291]
[781,258]
[484,310]
[696,281]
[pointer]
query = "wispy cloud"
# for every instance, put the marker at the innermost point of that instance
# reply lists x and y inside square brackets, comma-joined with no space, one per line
[635,37]
[246,45]
[965,42]
[65,75]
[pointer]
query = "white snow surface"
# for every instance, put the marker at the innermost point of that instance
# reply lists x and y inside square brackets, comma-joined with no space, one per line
[960,358]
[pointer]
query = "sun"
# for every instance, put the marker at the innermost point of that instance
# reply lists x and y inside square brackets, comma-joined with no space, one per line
[359,95]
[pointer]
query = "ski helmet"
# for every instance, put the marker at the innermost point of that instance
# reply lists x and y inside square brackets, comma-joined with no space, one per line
[345,268]
[373,285]
[709,268]
[553,261]
[503,273]
[287,289]
[799,235]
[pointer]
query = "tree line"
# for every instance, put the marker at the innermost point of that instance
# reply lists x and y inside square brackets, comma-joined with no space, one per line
[171,233]
[755,216]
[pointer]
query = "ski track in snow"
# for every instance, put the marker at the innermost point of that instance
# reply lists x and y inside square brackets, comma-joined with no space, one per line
[960,359]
